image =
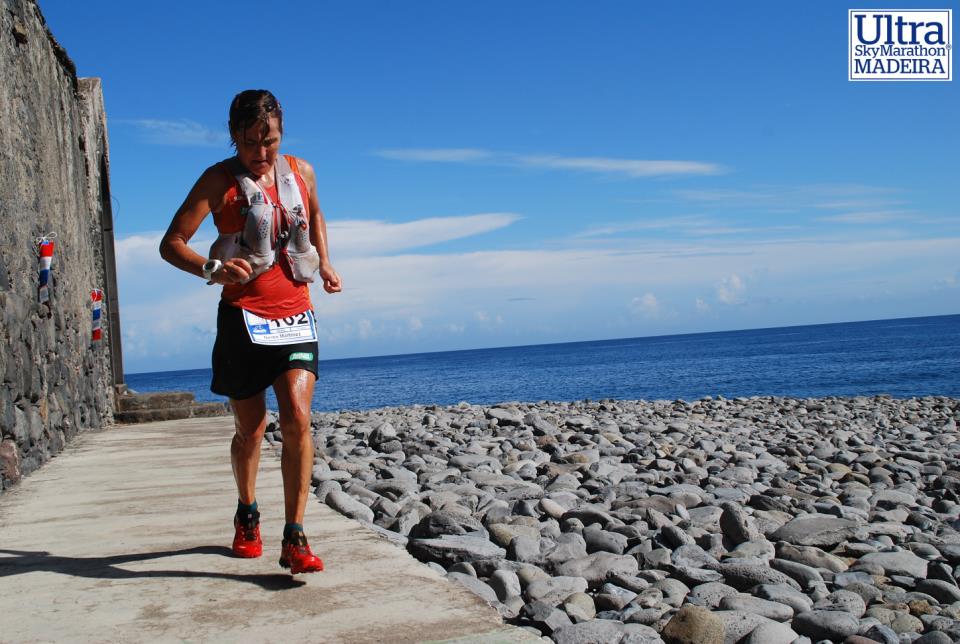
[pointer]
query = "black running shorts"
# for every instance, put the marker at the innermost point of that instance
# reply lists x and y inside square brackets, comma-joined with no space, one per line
[241,368]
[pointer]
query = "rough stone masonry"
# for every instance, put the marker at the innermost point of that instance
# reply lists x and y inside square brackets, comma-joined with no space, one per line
[54,165]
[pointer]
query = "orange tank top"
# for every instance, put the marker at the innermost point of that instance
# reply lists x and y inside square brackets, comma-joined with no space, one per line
[274,293]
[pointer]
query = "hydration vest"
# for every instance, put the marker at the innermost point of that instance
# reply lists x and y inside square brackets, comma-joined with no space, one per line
[272,232]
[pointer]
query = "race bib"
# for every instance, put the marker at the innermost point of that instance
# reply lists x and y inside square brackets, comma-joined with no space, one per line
[289,330]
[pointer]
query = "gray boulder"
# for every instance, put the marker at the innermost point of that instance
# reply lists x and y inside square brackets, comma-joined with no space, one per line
[505,583]
[811,556]
[597,567]
[710,594]
[474,585]
[818,530]
[640,634]
[788,595]
[451,549]
[545,616]
[746,576]
[598,631]
[737,525]
[826,625]
[580,607]
[771,633]
[555,590]
[902,562]
[738,624]
[845,600]
[348,506]
[943,592]
[764,607]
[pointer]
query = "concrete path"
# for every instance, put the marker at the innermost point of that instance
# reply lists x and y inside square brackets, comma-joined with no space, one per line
[125,538]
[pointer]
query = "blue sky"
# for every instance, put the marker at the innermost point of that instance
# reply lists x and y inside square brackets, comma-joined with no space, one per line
[505,173]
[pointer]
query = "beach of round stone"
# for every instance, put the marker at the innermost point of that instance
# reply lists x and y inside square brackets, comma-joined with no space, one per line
[761,519]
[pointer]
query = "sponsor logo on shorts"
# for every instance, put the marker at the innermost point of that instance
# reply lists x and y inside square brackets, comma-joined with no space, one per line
[301,355]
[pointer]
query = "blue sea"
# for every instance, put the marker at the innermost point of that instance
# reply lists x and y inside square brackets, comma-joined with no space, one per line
[903,358]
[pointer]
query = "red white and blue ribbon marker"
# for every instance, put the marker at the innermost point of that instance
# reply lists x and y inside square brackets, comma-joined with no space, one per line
[96,297]
[45,248]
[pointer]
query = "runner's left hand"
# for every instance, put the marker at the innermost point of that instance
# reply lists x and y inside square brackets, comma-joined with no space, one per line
[331,280]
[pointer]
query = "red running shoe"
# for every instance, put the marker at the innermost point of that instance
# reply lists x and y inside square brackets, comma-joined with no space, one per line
[246,540]
[297,556]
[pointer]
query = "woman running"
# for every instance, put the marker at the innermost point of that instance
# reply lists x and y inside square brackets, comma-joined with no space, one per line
[272,241]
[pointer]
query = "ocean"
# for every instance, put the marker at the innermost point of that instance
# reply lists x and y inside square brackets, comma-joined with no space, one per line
[903,358]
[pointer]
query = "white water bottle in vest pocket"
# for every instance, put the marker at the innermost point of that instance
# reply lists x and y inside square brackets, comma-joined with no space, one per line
[304,259]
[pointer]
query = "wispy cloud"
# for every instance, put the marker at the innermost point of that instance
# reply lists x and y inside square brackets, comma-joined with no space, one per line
[629,167]
[646,305]
[366,237]
[858,204]
[867,217]
[393,303]
[443,155]
[659,223]
[485,318]
[725,196]
[839,196]
[603,165]
[731,290]
[685,226]
[182,132]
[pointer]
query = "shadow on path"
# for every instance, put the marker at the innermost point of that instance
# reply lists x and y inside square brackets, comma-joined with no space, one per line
[24,561]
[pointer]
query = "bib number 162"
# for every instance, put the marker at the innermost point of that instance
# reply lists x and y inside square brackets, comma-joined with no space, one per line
[296,320]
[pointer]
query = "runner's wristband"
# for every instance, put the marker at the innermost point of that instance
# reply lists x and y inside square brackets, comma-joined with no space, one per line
[211,267]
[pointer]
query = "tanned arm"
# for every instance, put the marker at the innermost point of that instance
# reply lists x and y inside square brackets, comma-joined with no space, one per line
[206,195]
[318,230]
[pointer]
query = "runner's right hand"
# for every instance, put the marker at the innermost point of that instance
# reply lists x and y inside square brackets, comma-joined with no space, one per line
[233,271]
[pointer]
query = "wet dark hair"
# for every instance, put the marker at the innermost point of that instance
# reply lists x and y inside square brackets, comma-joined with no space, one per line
[250,106]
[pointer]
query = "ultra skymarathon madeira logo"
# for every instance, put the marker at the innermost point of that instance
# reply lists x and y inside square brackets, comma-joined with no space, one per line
[901,44]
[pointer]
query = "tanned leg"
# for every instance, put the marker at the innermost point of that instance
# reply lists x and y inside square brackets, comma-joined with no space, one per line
[250,420]
[294,390]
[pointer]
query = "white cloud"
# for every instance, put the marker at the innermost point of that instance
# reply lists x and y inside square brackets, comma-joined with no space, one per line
[779,198]
[731,290]
[951,281]
[605,165]
[138,248]
[182,132]
[646,305]
[364,328]
[702,306]
[858,204]
[365,237]
[444,155]
[867,217]
[629,167]
[682,223]
[738,197]
[391,301]
[485,319]
[688,226]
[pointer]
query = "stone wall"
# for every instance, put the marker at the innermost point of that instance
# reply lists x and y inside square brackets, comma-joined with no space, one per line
[53,178]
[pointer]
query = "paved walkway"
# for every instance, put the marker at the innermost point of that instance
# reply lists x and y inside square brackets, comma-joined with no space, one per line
[125,538]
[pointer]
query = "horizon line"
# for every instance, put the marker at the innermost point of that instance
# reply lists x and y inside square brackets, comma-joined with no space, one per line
[546,344]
